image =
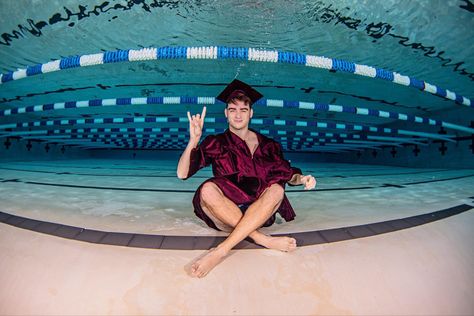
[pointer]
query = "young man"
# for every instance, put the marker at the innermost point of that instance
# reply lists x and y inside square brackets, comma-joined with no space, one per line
[250,174]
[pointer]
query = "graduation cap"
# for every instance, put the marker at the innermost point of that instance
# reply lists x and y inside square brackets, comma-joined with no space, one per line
[237,87]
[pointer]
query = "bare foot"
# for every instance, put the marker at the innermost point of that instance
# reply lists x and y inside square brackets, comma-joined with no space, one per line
[278,243]
[202,266]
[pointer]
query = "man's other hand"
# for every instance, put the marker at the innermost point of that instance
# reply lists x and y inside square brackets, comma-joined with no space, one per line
[308,181]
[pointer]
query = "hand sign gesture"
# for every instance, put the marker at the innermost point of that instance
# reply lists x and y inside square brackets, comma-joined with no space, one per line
[196,122]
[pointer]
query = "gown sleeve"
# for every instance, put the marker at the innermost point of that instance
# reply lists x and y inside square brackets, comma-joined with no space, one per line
[281,171]
[203,154]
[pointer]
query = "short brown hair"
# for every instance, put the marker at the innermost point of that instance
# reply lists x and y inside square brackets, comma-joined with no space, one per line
[241,96]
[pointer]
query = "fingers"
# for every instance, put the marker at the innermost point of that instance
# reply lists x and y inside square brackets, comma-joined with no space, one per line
[309,182]
[203,114]
[198,117]
[196,122]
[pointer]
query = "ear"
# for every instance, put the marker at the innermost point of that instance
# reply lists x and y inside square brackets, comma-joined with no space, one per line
[225,112]
[251,113]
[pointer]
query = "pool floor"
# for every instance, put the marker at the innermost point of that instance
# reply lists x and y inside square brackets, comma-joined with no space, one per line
[421,269]
[147,197]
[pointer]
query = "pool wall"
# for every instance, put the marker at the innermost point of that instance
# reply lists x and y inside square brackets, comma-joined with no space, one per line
[15,149]
[456,155]
[438,154]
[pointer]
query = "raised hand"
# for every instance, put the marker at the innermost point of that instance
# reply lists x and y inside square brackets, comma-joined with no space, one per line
[196,123]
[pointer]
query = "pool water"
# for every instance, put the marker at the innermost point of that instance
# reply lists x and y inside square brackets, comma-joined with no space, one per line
[373,98]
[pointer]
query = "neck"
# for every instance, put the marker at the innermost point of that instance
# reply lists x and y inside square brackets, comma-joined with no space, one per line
[242,133]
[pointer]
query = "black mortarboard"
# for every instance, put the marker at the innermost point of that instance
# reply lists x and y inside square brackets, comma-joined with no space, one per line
[237,86]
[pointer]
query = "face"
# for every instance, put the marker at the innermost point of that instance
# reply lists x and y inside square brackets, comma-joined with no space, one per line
[238,114]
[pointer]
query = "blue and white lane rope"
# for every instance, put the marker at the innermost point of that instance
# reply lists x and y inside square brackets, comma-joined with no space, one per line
[317,107]
[225,53]
[255,121]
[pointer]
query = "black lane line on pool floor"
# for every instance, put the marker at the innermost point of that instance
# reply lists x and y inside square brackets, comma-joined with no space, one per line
[438,180]
[154,169]
[207,242]
[197,176]
[385,185]
[98,175]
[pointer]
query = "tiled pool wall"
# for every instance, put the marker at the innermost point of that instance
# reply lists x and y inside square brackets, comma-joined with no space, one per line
[437,154]
[455,156]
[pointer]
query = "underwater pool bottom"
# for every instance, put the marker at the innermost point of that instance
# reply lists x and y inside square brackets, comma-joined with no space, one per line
[307,238]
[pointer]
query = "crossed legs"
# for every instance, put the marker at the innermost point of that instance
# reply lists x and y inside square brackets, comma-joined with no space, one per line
[228,216]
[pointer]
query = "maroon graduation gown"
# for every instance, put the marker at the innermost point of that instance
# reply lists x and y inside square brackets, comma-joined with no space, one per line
[241,177]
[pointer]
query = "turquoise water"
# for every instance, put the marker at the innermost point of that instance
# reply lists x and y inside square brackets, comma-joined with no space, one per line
[112,168]
[430,41]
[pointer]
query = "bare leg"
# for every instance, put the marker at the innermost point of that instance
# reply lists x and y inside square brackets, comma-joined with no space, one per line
[255,217]
[226,215]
